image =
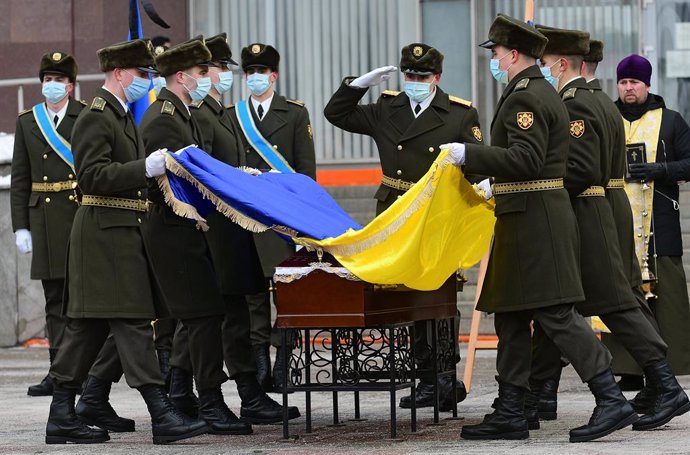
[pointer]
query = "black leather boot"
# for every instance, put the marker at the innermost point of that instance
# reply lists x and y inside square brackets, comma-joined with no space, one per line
[531,411]
[168,423]
[670,399]
[612,411]
[424,396]
[93,408]
[643,402]
[278,369]
[64,426]
[164,365]
[508,419]
[631,382]
[257,407]
[547,396]
[220,419]
[445,393]
[263,366]
[45,387]
[182,392]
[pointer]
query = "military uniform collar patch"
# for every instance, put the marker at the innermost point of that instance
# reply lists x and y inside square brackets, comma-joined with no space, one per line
[98,104]
[569,94]
[522,84]
[196,104]
[168,108]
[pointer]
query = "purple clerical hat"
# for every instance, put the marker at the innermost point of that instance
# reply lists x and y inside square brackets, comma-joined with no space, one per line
[635,67]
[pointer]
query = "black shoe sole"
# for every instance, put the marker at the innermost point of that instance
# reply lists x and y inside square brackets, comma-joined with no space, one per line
[680,411]
[418,405]
[548,415]
[259,421]
[39,394]
[180,437]
[241,432]
[628,421]
[65,440]
[512,435]
[112,429]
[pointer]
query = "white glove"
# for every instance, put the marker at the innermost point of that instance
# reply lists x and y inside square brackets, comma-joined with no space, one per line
[155,163]
[485,187]
[457,152]
[23,241]
[374,77]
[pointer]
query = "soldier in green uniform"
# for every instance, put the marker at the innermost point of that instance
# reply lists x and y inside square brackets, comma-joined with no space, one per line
[180,256]
[232,248]
[407,128]
[43,207]
[285,124]
[608,293]
[109,286]
[533,272]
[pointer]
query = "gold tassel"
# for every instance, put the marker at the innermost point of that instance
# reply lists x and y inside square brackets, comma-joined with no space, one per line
[178,207]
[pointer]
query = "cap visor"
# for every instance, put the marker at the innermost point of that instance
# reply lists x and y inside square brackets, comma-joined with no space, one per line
[488,44]
[232,62]
[417,72]
[148,69]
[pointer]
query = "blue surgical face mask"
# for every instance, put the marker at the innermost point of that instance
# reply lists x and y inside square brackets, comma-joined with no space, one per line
[258,83]
[550,78]
[224,82]
[137,89]
[203,86]
[54,91]
[498,74]
[417,91]
[158,84]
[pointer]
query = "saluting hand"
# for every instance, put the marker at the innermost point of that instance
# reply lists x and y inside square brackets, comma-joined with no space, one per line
[374,77]
[155,163]
[23,241]
[457,152]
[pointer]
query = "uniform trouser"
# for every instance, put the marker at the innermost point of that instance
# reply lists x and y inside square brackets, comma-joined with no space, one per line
[261,330]
[55,321]
[163,333]
[670,310]
[422,346]
[84,338]
[630,327]
[237,346]
[564,326]
[198,348]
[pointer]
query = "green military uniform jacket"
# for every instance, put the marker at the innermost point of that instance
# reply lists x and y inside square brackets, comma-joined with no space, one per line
[534,257]
[286,125]
[232,247]
[620,204]
[589,163]
[108,270]
[180,257]
[407,145]
[47,215]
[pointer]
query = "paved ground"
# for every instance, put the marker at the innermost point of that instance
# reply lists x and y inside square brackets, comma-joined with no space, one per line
[23,418]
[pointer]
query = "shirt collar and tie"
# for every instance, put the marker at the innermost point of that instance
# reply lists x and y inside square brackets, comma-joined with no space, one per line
[261,108]
[418,108]
[59,115]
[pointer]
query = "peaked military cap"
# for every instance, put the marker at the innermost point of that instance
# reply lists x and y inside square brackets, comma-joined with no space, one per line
[136,53]
[596,51]
[419,58]
[220,49]
[514,34]
[565,42]
[59,63]
[182,56]
[257,54]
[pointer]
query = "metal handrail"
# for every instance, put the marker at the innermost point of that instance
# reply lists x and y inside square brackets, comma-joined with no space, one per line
[22,81]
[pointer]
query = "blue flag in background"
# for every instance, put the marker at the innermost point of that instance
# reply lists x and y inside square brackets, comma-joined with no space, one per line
[138,107]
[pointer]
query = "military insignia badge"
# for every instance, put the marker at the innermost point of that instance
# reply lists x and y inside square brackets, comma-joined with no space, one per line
[57,56]
[525,120]
[158,50]
[577,128]
[477,133]
[417,51]
[310,131]
[256,49]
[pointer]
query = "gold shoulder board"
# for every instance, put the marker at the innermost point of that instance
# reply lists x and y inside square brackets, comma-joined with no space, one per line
[25,111]
[569,94]
[460,101]
[297,102]
[196,104]
[98,104]
[168,108]
[387,93]
[522,84]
